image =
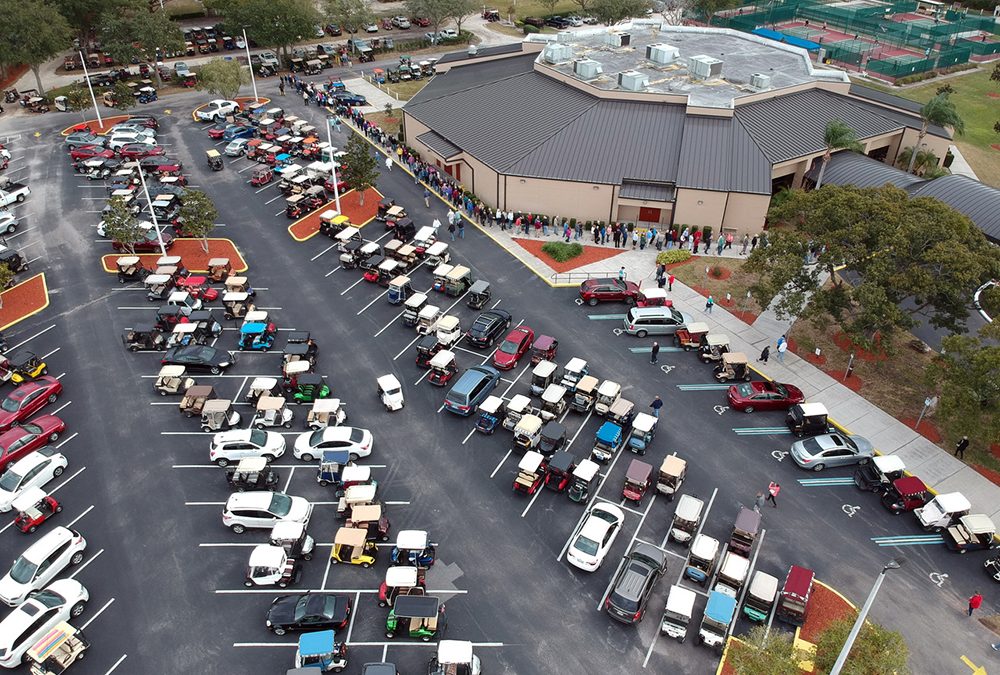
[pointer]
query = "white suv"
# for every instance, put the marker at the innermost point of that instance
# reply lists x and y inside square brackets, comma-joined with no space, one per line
[122,138]
[261,510]
[232,446]
[62,600]
[217,110]
[38,565]
[34,470]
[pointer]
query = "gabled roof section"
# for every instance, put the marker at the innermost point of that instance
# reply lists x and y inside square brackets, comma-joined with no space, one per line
[851,168]
[718,154]
[475,75]
[439,144]
[885,98]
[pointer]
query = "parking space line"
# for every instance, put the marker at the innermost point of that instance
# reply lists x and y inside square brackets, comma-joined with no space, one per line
[468,436]
[383,329]
[704,519]
[350,625]
[332,271]
[266,187]
[87,562]
[660,548]
[254,165]
[68,439]
[60,407]
[501,463]
[204,503]
[537,492]
[410,344]
[326,574]
[322,252]
[74,521]
[274,200]
[376,299]
[45,356]
[99,612]
[619,505]
[289,481]
[117,663]
[353,285]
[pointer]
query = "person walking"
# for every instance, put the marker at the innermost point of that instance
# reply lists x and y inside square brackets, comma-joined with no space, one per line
[709,304]
[427,198]
[451,229]
[670,282]
[621,273]
[772,493]
[461,226]
[975,602]
[961,446]
[635,239]
[654,352]
[281,87]
[758,502]
[656,405]
[437,226]
[388,164]
[765,353]
[746,243]
[782,348]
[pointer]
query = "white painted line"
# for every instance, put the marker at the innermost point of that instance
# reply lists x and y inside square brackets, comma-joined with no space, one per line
[289,481]
[117,663]
[350,625]
[395,643]
[353,285]
[266,187]
[382,330]
[45,356]
[204,503]
[404,350]
[87,562]
[374,300]
[267,591]
[323,251]
[746,585]
[539,491]
[60,407]
[501,463]
[332,271]
[326,572]
[468,436]
[627,548]
[99,612]
[68,439]
[74,521]
[274,200]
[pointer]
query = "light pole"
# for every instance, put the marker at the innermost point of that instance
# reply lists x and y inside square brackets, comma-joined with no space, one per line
[152,213]
[333,163]
[83,61]
[860,621]
[253,80]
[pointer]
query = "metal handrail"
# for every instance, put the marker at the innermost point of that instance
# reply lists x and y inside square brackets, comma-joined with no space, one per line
[572,277]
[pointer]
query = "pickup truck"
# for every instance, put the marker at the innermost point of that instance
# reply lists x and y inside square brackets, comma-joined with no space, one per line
[13,192]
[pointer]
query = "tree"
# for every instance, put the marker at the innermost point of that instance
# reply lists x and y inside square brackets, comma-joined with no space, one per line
[360,169]
[995,77]
[6,280]
[198,215]
[78,100]
[895,248]
[33,32]
[610,12]
[706,9]
[83,14]
[764,652]
[121,225]
[123,97]
[876,651]
[584,5]
[349,14]
[837,136]
[275,23]
[549,4]
[222,78]
[436,11]
[463,9]
[941,112]
[130,32]
[925,161]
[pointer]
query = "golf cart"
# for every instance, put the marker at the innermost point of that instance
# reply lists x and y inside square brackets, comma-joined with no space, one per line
[448,330]
[57,650]
[745,530]
[351,545]
[559,470]
[808,419]
[291,536]
[760,597]
[251,473]
[673,470]
[905,494]
[326,412]
[454,657]
[491,412]
[517,407]
[553,402]
[715,624]
[369,518]
[877,475]
[194,399]
[158,286]
[34,507]
[479,294]
[399,290]
[553,438]
[691,336]
[416,616]
[271,566]
[643,430]
[437,254]
[427,319]
[687,515]
[219,269]
[527,433]
[713,346]
[542,375]
[390,391]
[218,415]
[584,476]
[271,411]
[793,602]
[319,652]
[172,380]
[942,511]
[399,581]
[971,533]
[413,548]
[544,349]
[574,371]
[530,473]
[130,268]
[608,439]
[677,613]
[262,386]
[353,497]
[145,337]
[442,368]
[638,478]
[607,394]
[585,394]
[701,560]
[734,366]
[412,309]
[309,387]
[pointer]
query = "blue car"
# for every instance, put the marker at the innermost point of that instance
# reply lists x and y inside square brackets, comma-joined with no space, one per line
[347,98]
[234,131]
[471,389]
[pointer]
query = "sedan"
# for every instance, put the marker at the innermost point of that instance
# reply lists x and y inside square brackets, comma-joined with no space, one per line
[347,98]
[750,396]
[371,27]
[236,148]
[514,346]
[201,358]
[216,130]
[28,399]
[593,291]
[8,222]
[149,243]
[34,470]
[232,446]
[28,437]
[487,327]
[140,150]
[825,450]
[132,128]
[448,34]
[308,611]
[85,152]
[234,131]
[334,30]
[118,141]
[593,541]
[63,600]
[310,445]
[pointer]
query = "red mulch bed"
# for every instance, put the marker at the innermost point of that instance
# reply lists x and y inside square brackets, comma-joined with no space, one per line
[853,382]
[26,298]
[993,94]
[591,254]
[825,607]
[927,428]
[351,206]
[992,475]
[995,449]
[724,274]
[995,146]
[247,100]
[192,255]
[97,128]
[847,346]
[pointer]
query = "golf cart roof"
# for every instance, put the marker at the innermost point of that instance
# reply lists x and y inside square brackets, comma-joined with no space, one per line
[387,382]
[297,367]
[256,316]
[287,530]
[218,262]
[688,507]
[360,493]
[638,471]
[184,328]
[350,536]
[266,555]
[263,383]
[253,327]
[909,485]
[518,403]
[653,292]
[326,405]
[336,457]
[576,365]
[717,339]
[415,300]
[609,433]
[953,502]
[438,248]
[232,296]
[764,586]
[157,279]
[562,461]
[747,520]
[889,463]
[458,272]
[448,322]
[252,464]
[529,424]
[609,388]
[442,270]
[530,461]
[316,643]
[720,607]
[28,498]
[553,430]
[127,260]
[429,312]
[443,358]
[172,371]
[734,357]
[412,540]
[704,547]
[554,393]
[347,233]
[215,405]
[199,391]
[49,643]
[270,402]
[416,606]
[480,286]
[976,523]
[456,652]
[643,422]
[424,233]
[168,260]
[621,407]
[586,470]
[587,384]
[813,409]
[355,472]
[400,281]
[734,566]
[401,577]
[681,601]
[491,405]
[544,369]
[366,513]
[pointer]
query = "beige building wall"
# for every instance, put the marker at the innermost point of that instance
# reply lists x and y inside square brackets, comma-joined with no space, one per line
[745,213]
[700,207]
[583,201]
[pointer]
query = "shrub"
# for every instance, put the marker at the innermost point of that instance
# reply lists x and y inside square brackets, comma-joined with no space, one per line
[717,272]
[674,255]
[529,29]
[560,251]
[989,300]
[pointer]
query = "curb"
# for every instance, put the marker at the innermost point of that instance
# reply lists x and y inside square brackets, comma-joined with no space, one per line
[329,205]
[111,257]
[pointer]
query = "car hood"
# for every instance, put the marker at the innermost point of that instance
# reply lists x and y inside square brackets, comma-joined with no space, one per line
[11,590]
[865,446]
[299,511]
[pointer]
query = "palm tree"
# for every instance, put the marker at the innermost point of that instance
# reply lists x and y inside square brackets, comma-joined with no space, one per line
[925,160]
[939,111]
[838,136]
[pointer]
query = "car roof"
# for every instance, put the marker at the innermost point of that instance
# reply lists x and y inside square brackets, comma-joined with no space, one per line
[234,434]
[336,433]
[49,541]
[255,499]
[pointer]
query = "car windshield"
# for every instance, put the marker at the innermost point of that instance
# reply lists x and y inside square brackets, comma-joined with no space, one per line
[604,515]
[48,598]
[280,504]
[585,545]
[316,437]
[9,480]
[23,570]
[676,316]
[509,347]
[258,437]
[849,442]
[11,404]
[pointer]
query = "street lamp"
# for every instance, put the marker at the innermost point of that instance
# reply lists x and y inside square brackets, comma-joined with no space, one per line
[253,80]
[860,621]
[152,213]
[333,164]
[83,61]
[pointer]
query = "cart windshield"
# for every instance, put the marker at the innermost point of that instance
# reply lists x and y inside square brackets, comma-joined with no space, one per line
[280,504]
[23,570]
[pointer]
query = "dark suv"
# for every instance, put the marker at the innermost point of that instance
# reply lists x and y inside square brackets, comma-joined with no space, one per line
[557,22]
[475,385]
[643,566]
[488,327]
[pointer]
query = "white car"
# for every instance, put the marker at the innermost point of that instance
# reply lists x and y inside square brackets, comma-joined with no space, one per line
[8,223]
[217,110]
[448,34]
[123,138]
[575,21]
[261,510]
[371,27]
[237,444]
[240,42]
[132,128]
[33,470]
[401,22]
[40,563]
[63,600]
[310,445]
[593,541]
[236,147]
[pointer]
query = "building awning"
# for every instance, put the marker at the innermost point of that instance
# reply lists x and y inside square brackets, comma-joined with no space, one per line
[439,144]
[651,192]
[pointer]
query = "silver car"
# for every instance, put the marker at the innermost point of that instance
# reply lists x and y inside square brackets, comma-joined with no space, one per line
[825,450]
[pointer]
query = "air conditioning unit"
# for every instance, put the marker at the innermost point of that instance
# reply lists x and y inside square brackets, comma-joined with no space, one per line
[662,54]
[705,67]
[632,80]
[557,53]
[587,69]
[760,81]
[619,39]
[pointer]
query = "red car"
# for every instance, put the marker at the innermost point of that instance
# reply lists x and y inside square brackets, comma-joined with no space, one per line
[28,437]
[514,346]
[85,152]
[421,21]
[216,131]
[28,399]
[140,150]
[594,291]
[750,396]
[342,186]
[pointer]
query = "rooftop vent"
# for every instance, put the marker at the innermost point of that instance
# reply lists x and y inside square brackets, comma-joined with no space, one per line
[557,53]
[705,67]
[587,69]
[760,81]
[631,80]
[662,53]
[619,39]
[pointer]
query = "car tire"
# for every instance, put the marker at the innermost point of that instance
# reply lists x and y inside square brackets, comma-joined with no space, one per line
[641,334]
[77,558]
[354,457]
[818,467]
[748,409]
[53,437]
[238,528]
[278,631]
[222,462]
[58,471]
[307,457]
[78,609]
[592,302]
[11,228]
[53,397]
[215,370]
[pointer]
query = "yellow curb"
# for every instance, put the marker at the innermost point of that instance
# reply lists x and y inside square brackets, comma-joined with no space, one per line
[68,130]
[45,290]
[331,203]
[239,270]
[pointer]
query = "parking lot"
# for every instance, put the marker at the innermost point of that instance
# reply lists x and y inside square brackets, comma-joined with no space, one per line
[166,577]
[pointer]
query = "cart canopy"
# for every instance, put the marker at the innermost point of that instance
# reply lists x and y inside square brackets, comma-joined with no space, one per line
[704,547]
[443,359]
[28,498]
[518,403]
[479,287]
[812,409]
[717,340]
[269,403]
[416,606]
[586,470]
[528,425]
[401,577]
[587,384]
[638,471]
[747,520]
[680,602]
[267,556]
[544,369]
[688,508]
[763,587]
[454,652]
[720,608]
[172,371]
[576,365]
[251,464]
[798,583]
[388,383]
[491,405]
[609,433]
[366,513]
[734,358]
[644,423]
[415,301]
[530,462]
[554,393]
[316,643]
[341,457]
[350,536]
[909,485]
[609,389]
[562,462]
[411,540]
[359,494]
[889,464]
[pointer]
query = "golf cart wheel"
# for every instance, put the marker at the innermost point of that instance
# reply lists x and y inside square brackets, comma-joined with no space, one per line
[248,583]
[307,556]
[259,425]
[383,603]
[53,437]
[133,348]
[287,425]
[338,669]
[242,348]
[32,529]
[242,489]
[279,631]
[747,378]
[324,483]
[390,634]
[641,334]
[77,558]
[59,509]
[333,561]
[215,370]
[366,565]
[426,638]
[748,409]
[78,608]
[818,467]
[282,584]
[238,528]
[188,414]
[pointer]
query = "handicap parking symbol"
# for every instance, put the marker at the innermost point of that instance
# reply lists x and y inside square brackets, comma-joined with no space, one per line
[779,454]
[937,578]
[850,510]
[617,331]
[579,302]
[721,409]
[666,369]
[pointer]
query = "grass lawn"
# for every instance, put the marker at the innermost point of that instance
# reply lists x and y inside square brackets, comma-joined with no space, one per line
[389,123]
[406,90]
[733,281]
[536,8]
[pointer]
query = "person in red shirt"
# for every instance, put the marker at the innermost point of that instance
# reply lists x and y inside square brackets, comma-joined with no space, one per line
[975,602]
[772,492]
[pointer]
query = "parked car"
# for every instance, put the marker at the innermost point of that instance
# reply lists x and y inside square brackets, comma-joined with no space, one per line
[574,21]
[421,21]
[593,540]
[33,470]
[334,30]
[825,450]
[471,389]
[150,242]
[643,566]
[234,131]
[371,27]
[35,617]
[132,128]
[308,611]
[199,358]
[401,22]
[347,98]
[557,22]
[310,445]
[80,138]
[140,150]
[8,222]
[149,121]
[28,399]
[764,395]
[593,291]
[85,152]
[236,148]
[514,346]
[41,563]
[27,437]
[219,108]
[261,510]
[236,444]
[119,140]
[487,327]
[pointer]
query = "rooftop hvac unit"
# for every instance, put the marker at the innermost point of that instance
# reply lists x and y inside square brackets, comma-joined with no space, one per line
[619,39]
[760,81]
[632,80]
[705,67]
[662,53]
[557,53]
[587,69]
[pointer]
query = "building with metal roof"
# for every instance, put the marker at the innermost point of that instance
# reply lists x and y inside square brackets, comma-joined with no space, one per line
[645,123]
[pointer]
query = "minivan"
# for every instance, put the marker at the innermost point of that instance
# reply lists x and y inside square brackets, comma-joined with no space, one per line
[475,385]
[643,321]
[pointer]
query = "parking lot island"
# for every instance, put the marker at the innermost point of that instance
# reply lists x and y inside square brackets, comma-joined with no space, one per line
[350,204]
[23,300]
[191,252]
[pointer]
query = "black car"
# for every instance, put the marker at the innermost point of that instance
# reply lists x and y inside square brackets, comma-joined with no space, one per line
[321,611]
[198,358]
[643,566]
[333,29]
[488,327]
[347,98]
[558,22]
